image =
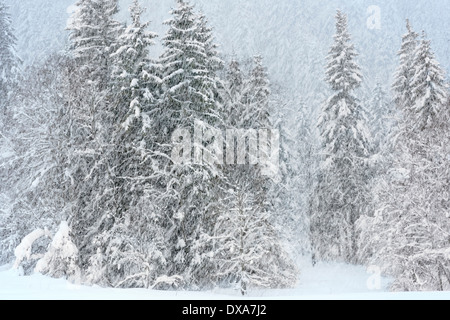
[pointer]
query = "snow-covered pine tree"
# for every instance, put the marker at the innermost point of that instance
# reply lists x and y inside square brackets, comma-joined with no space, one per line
[83,132]
[9,62]
[87,100]
[256,97]
[427,130]
[406,69]
[341,195]
[133,86]
[93,37]
[213,62]
[250,255]
[8,68]
[61,258]
[136,250]
[189,84]
[112,224]
[190,61]
[132,78]
[93,33]
[408,237]
[256,116]
[232,95]
[428,89]
[246,237]
[131,249]
[392,175]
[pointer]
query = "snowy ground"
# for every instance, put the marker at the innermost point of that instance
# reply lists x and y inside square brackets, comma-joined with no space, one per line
[325,282]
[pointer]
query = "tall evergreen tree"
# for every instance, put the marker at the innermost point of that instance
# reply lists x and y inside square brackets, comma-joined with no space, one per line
[132,77]
[250,254]
[408,236]
[189,85]
[93,38]
[257,116]
[428,89]
[256,97]
[93,33]
[186,75]
[341,194]
[131,245]
[213,62]
[134,90]
[233,107]
[249,251]
[405,72]
[8,55]
[9,62]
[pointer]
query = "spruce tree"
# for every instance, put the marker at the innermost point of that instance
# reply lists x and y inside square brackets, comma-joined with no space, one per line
[233,92]
[249,251]
[405,72]
[93,33]
[134,92]
[256,97]
[428,90]
[93,38]
[250,255]
[9,62]
[131,244]
[132,77]
[408,236]
[213,62]
[189,85]
[8,55]
[341,194]
[186,77]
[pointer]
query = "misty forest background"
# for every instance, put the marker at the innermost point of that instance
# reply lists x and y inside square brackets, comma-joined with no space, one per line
[87,187]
